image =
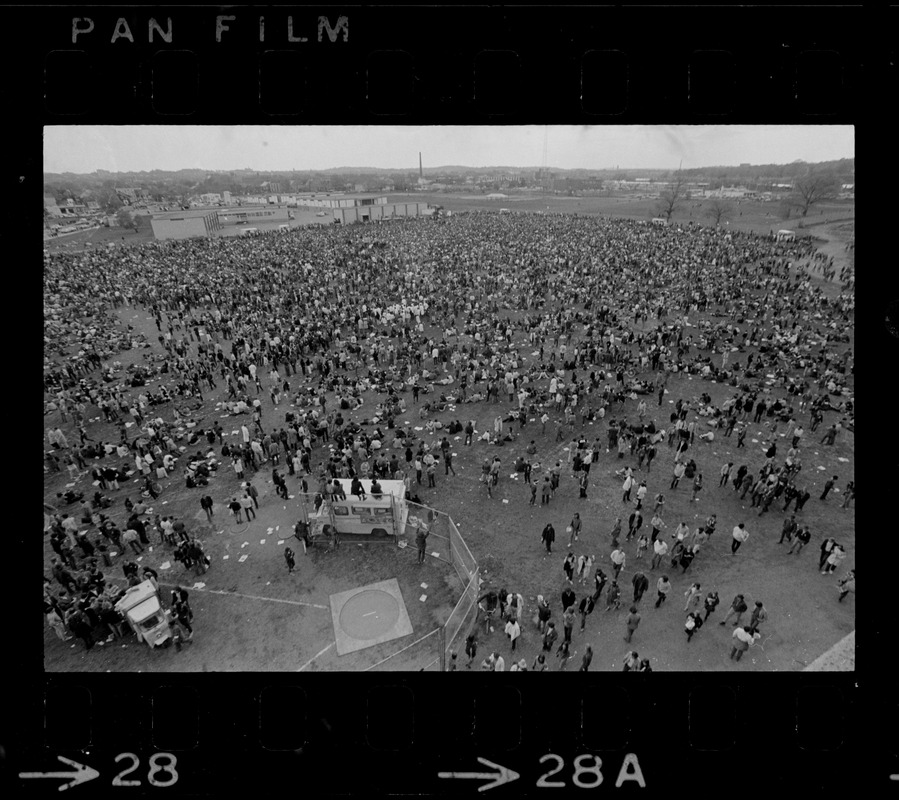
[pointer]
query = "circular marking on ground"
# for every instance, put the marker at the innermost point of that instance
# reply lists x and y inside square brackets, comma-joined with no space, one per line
[369,614]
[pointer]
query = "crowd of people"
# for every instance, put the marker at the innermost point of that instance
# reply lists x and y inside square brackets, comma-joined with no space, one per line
[335,333]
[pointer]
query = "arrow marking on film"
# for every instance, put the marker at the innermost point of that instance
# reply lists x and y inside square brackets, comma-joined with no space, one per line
[82,774]
[504,775]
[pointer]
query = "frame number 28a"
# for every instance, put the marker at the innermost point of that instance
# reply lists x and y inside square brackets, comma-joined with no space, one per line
[162,772]
[587,772]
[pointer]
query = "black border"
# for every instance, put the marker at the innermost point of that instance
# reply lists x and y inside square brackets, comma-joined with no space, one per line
[442,40]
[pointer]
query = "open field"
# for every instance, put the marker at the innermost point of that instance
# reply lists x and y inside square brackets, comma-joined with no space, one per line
[747,215]
[254,616]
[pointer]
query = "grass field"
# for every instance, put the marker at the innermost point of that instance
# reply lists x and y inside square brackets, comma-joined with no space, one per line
[747,214]
[252,615]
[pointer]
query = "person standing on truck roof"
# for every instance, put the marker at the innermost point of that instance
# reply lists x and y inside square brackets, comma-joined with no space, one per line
[421,540]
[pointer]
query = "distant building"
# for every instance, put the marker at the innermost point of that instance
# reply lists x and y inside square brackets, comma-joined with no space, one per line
[341,200]
[52,209]
[185,224]
[226,198]
[377,212]
[68,209]
[252,214]
[731,192]
[131,195]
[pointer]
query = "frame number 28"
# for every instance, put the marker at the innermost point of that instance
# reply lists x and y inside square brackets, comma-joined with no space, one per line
[162,771]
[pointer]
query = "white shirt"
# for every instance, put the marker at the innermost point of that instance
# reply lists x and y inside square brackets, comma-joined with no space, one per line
[741,534]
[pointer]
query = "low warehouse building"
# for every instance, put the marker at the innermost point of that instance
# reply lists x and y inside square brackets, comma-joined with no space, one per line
[185,224]
[378,212]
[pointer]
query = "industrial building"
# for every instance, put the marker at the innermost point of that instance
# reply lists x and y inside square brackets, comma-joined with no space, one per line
[341,201]
[185,224]
[382,211]
[253,214]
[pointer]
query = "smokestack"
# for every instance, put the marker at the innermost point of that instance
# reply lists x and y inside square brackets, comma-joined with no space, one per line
[421,173]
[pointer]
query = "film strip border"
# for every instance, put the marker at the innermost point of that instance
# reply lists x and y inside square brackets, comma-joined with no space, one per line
[383,734]
[388,735]
[492,64]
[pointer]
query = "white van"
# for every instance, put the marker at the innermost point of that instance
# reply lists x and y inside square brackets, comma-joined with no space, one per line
[249,232]
[659,221]
[144,613]
[355,519]
[283,228]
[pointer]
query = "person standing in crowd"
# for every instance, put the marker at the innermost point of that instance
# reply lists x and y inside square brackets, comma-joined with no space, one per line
[585,608]
[788,529]
[697,487]
[471,648]
[758,616]
[660,550]
[800,539]
[246,504]
[826,549]
[710,603]
[846,585]
[586,659]
[548,537]
[421,541]
[206,504]
[290,558]
[574,529]
[568,623]
[693,623]
[599,582]
[618,558]
[568,567]
[737,607]
[549,637]
[740,535]
[837,554]
[641,584]
[742,638]
[663,587]
[513,631]
[848,495]
[694,597]
[631,622]
[828,485]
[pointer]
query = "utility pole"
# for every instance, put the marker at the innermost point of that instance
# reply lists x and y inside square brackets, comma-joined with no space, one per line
[545,137]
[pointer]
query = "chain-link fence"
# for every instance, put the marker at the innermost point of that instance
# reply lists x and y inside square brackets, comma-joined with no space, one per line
[422,655]
[445,543]
[462,618]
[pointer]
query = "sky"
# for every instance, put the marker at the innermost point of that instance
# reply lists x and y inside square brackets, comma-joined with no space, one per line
[86,148]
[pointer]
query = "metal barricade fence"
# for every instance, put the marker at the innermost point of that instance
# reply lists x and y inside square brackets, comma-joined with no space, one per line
[422,655]
[431,651]
[463,560]
[462,618]
[440,526]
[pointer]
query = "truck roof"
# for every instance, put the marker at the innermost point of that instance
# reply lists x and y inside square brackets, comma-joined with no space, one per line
[395,488]
[144,609]
[136,595]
